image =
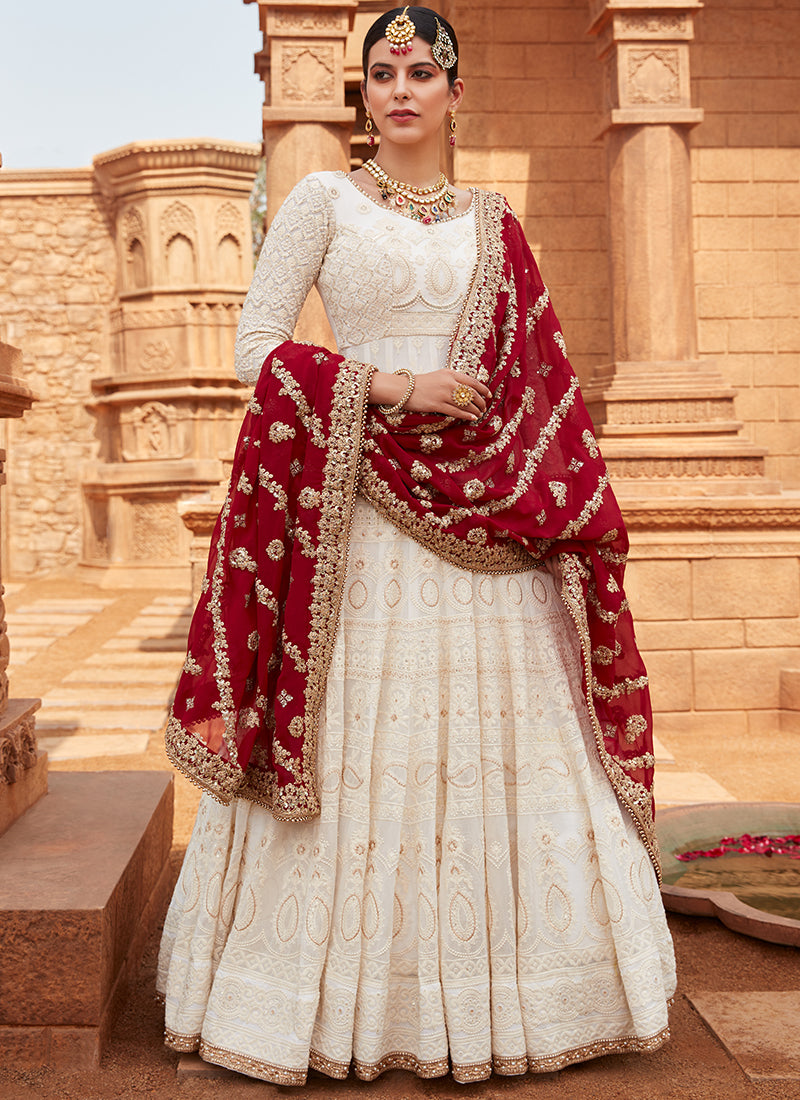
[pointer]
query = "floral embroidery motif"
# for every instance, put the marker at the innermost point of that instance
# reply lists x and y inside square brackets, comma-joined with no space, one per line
[590,443]
[279,432]
[309,498]
[558,338]
[559,491]
[474,489]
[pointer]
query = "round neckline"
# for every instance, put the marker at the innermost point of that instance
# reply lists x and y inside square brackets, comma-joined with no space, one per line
[405,217]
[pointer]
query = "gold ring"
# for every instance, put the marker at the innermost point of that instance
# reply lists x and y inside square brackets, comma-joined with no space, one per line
[462,396]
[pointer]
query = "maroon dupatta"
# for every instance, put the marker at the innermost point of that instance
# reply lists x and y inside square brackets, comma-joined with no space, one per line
[524,483]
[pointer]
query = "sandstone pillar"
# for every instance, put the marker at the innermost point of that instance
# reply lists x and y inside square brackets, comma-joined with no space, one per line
[23,769]
[169,412]
[666,419]
[307,127]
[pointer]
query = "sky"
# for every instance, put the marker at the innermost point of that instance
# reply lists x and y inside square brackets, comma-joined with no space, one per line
[79,77]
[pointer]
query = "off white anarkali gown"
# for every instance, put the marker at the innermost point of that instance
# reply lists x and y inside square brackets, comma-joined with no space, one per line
[472,896]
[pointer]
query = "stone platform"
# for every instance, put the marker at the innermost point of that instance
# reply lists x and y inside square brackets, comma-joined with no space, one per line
[85,877]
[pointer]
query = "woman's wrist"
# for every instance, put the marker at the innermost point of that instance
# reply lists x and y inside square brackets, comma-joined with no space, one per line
[387,389]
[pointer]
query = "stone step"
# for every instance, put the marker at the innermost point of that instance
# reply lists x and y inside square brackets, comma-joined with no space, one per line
[144,695]
[85,747]
[144,675]
[152,630]
[58,607]
[685,788]
[144,645]
[121,718]
[62,623]
[136,658]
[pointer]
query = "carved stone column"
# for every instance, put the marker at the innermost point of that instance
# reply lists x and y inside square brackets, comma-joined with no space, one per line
[169,411]
[23,769]
[307,127]
[666,419]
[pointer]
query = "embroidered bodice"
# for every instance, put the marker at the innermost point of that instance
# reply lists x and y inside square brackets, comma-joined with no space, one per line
[393,288]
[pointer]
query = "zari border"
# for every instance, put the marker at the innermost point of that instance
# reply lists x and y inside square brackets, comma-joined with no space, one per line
[463,1073]
[634,796]
[299,801]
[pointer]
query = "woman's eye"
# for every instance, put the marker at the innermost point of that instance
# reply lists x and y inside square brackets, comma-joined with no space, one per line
[380,75]
[424,73]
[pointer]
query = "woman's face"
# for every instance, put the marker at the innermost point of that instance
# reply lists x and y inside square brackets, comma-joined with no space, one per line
[408,94]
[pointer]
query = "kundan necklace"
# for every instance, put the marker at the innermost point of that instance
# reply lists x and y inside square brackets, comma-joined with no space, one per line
[423,204]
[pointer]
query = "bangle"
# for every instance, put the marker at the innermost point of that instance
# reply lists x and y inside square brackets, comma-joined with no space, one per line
[390,410]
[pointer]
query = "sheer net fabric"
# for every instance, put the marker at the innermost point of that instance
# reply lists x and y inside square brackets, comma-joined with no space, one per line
[472,896]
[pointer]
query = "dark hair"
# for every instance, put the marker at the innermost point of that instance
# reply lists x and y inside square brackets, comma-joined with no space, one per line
[424,19]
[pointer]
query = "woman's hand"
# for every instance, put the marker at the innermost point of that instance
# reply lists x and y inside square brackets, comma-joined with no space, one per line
[432,393]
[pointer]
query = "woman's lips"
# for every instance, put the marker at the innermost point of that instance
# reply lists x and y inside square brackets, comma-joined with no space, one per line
[403,114]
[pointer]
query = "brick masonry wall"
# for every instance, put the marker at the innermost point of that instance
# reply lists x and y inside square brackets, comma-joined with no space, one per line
[528,129]
[57,270]
[746,171]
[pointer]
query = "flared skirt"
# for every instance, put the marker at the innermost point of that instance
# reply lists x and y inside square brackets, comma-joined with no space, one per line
[472,897]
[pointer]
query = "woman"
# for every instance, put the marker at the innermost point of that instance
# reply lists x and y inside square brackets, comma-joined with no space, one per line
[412,685]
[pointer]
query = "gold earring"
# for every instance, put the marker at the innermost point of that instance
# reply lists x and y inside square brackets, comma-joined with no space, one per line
[452,127]
[368,128]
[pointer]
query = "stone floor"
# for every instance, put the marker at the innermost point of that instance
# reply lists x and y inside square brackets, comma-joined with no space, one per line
[104,663]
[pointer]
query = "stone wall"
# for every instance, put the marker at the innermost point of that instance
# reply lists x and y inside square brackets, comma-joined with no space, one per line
[746,167]
[57,272]
[528,128]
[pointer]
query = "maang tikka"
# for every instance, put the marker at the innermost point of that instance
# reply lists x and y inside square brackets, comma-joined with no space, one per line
[400,33]
[442,49]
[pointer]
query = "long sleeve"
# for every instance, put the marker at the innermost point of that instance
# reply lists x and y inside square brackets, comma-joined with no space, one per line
[287,268]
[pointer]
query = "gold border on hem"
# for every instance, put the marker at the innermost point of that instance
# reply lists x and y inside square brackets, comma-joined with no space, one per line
[463,1073]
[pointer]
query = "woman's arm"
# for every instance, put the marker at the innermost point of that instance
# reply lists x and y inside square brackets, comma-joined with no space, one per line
[287,268]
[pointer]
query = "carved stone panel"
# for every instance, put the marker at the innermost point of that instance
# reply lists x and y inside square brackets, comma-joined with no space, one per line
[155,530]
[153,431]
[307,73]
[653,75]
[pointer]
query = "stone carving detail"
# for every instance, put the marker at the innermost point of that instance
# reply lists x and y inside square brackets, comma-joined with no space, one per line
[146,318]
[308,75]
[133,225]
[158,356]
[685,467]
[18,750]
[669,412]
[702,517]
[290,22]
[229,221]
[654,76]
[155,530]
[663,25]
[178,218]
[155,432]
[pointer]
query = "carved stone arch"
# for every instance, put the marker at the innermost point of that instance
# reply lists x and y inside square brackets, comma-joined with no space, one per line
[229,220]
[132,225]
[136,265]
[179,218]
[181,261]
[229,260]
[134,241]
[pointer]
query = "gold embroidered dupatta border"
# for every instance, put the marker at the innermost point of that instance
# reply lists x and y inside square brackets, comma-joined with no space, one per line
[217,770]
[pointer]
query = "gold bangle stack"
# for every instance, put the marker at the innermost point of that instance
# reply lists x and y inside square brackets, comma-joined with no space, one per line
[391,410]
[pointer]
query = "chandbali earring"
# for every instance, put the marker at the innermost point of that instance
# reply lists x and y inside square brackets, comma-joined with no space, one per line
[368,128]
[452,127]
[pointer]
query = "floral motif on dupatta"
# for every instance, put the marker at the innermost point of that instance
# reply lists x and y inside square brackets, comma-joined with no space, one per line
[245,717]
